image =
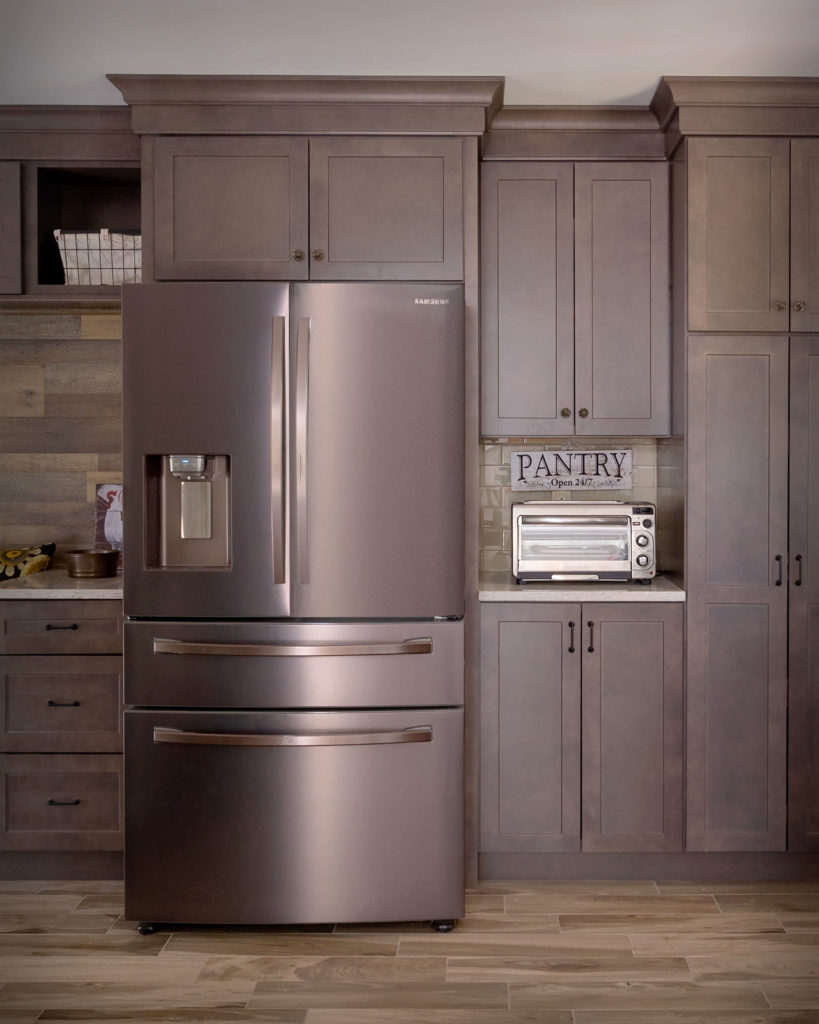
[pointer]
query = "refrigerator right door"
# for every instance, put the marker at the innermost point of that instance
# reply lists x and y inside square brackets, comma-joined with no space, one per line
[376,456]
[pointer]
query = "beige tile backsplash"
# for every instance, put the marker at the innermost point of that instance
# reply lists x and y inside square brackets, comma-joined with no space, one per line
[497,495]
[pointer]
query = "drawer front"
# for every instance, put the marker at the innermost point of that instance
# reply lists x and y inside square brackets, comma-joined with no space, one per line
[61,802]
[60,704]
[60,627]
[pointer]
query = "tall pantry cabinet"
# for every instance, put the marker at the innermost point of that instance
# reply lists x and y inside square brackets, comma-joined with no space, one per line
[745,198]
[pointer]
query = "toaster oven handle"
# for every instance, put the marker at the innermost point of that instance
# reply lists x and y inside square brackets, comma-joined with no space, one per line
[416,645]
[415,734]
[578,520]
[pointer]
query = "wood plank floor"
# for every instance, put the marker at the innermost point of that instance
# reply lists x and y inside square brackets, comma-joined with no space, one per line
[527,953]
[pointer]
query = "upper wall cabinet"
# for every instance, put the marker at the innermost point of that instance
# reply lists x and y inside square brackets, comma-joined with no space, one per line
[10,220]
[753,208]
[284,208]
[574,299]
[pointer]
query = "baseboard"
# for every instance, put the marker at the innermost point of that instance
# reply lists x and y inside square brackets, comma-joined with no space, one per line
[52,866]
[668,867]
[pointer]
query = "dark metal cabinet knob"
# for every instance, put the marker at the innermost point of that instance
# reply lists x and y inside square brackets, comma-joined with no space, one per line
[318,254]
[297,254]
[583,413]
[565,413]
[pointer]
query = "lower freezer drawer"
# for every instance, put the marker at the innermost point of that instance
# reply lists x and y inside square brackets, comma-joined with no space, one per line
[293,817]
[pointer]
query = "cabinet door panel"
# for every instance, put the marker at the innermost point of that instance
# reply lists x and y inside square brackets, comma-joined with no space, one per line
[805,234]
[803,784]
[386,209]
[530,707]
[622,343]
[527,299]
[632,727]
[737,597]
[11,255]
[228,208]
[738,213]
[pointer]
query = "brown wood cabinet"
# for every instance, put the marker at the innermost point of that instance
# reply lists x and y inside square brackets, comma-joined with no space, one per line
[11,256]
[753,208]
[737,542]
[607,778]
[574,285]
[292,208]
[60,725]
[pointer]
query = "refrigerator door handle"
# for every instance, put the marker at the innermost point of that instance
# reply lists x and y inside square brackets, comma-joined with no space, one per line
[277,437]
[416,645]
[415,734]
[302,397]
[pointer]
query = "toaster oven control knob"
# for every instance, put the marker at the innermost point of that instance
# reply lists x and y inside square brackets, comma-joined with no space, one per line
[642,541]
[642,561]
[647,524]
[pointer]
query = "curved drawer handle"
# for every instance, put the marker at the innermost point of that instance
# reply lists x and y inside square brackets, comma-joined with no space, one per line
[417,645]
[415,734]
[73,625]
[62,703]
[62,803]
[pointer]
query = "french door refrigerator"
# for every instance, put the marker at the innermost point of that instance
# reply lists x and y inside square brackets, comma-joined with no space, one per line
[293,572]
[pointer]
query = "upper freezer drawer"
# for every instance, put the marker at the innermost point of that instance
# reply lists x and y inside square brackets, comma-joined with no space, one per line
[293,665]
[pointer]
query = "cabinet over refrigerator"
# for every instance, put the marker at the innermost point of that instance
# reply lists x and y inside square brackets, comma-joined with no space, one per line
[294,592]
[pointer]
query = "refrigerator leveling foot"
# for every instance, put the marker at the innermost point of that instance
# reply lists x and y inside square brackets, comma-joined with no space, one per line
[146,928]
[442,926]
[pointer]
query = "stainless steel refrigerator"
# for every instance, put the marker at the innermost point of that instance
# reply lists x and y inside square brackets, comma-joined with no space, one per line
[293,559]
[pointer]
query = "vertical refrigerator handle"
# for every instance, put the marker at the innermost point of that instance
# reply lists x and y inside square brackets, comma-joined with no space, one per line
[277,438]
[302,396]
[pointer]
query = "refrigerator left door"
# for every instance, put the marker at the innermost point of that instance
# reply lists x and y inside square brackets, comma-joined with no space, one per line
[205,450]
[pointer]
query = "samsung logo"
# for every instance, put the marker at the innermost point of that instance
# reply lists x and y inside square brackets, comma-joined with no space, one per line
[432,302]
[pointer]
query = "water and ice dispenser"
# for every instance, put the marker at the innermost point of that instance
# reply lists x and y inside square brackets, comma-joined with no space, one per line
[189,511]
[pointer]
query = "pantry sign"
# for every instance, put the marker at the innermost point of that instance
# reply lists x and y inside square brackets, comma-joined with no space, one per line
[571,470]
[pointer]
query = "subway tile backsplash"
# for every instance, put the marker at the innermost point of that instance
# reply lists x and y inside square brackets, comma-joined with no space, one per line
[496,494]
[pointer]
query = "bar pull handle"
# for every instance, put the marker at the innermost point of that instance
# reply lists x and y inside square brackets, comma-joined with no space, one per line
[415,734]
[571,638]
[62,803]
[277,439]
[798,580]
[778,560]
[591,637]
[416,645]
[302,396]
[50,626]
[62,704]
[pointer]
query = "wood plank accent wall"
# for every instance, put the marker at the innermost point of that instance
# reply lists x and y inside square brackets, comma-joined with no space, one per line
[60,423]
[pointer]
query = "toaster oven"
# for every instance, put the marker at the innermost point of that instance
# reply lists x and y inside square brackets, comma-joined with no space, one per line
[583,540]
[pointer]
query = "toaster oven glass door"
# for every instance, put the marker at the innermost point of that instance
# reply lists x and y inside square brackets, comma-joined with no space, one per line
[575,543]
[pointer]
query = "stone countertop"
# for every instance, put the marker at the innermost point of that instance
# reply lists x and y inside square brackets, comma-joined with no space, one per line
[501,586]
[56,584]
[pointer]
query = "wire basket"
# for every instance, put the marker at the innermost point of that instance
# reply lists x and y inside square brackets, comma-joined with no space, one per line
[100,257]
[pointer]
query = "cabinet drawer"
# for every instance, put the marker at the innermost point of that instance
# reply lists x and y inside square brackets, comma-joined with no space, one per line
[60,704]
[61,802]
[60,627]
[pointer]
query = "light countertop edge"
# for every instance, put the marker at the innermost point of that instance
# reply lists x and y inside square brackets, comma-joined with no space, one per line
[501,586]
[56,585]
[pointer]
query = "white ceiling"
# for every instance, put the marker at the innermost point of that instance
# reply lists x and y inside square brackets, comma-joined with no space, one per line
[550,51]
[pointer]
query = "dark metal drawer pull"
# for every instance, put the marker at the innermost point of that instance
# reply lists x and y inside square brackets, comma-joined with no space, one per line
[62,704]
[591,637]
[415,734]
[571,638]
[778,560]
[419,645]
[72,626]
[62,803]
[798,581]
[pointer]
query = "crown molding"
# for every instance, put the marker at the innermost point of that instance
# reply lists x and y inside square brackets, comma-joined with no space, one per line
[262,104]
